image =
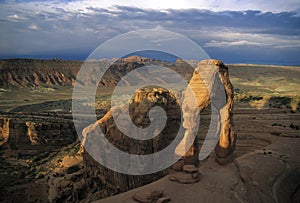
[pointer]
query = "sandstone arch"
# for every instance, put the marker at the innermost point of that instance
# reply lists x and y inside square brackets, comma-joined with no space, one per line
[98,175]
[211,72]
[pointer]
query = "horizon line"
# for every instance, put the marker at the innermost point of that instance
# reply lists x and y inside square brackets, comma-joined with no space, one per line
[82,60]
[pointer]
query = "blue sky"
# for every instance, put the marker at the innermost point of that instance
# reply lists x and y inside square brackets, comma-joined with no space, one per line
[235,31]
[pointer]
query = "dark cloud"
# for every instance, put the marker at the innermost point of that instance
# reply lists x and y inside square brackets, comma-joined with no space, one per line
[57,30]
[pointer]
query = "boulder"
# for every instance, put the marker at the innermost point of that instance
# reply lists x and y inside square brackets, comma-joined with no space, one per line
[183,177]
[148,196]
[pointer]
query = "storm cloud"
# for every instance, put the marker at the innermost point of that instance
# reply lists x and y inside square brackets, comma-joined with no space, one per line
[73,29]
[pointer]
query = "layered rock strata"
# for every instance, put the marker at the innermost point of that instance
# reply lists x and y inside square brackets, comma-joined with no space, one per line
[30,135]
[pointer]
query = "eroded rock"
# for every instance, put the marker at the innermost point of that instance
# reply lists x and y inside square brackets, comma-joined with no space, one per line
[143,100]
[211,85]
[32,135]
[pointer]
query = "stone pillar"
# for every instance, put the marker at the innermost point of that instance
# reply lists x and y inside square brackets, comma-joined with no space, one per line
[226,144]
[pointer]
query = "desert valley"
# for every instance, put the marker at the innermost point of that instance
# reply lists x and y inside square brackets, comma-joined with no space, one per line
[42,159]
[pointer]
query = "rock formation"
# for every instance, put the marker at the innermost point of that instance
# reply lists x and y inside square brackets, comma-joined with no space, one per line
[35,73]
[143,100]
[211,85]
[32,135]
[188,175]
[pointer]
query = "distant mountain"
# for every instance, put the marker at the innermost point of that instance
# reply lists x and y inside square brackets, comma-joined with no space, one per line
[155,55]
[34,73]
[31,73]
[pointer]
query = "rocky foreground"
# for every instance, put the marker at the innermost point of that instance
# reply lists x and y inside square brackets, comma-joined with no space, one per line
[265,166]
[270,174]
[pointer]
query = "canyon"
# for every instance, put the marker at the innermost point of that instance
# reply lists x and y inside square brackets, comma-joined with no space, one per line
[42,161]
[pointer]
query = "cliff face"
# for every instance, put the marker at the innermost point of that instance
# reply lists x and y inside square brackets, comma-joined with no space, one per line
[17,73]
[4,130]
[31,73]
[32,135]
[101,177]
[34,73]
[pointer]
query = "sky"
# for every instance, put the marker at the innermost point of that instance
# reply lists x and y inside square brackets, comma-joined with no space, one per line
[234,31]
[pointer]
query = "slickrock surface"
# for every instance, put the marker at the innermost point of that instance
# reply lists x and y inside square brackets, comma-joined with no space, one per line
[252,177]
[148,196]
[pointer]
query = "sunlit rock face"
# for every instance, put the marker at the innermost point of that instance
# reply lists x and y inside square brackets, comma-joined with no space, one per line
[210,85]
[22,73]
[142,101]
[32,135]
[227,140]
